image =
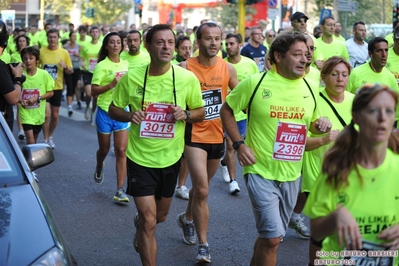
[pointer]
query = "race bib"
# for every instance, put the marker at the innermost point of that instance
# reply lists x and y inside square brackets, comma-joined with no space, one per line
[159,122]
[52,70]
[120,74]
[290,141]
[212,103]
[372,254]
[92,63]
[26,94]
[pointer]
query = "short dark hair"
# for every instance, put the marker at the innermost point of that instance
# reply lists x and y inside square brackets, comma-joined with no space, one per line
[123,33]
[53,30]
[133,32]
[82,28]
[358,23]
[94,28]
[180,40]
[282,43]
[70,34]
[373,42]
[324,20]
[198,33]
[235,36]
[156,28]
[33,50]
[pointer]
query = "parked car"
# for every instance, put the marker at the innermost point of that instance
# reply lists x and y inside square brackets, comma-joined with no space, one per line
[28,234]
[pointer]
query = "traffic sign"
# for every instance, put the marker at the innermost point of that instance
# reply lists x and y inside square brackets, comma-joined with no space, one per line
[348,6]
[272,13]
[273,3]
[8,14]
[324,14]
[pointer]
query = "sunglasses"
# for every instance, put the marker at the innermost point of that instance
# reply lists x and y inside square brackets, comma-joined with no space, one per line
[271,36]
[300,20]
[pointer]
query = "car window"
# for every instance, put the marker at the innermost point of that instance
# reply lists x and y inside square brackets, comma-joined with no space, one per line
[10,168]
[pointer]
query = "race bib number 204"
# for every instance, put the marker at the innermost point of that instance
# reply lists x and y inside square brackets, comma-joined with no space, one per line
[290,141]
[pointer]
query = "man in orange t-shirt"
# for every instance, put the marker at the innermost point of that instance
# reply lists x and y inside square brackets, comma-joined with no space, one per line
[204,141]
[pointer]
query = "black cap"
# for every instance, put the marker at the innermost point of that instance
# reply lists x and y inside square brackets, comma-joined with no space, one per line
[298,15]
[3,34]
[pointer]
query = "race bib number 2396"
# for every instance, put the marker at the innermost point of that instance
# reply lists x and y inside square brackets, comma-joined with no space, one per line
[290,141]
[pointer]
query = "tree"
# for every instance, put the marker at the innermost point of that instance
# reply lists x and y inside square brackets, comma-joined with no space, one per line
[5,4]
[369,11]
[106,11]
[227,14]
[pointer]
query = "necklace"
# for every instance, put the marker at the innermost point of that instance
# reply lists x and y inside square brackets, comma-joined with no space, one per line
[371,65]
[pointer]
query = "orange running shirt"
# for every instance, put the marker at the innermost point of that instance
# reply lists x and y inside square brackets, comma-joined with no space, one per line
[214,82]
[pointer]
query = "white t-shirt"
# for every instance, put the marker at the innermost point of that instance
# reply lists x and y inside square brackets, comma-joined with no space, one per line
[358,54]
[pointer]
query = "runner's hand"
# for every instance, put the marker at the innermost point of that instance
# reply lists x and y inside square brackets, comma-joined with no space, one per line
[245,155]
[391,234]
[178,113]
[137,117]
[331,136]
[323,124]
[347,229]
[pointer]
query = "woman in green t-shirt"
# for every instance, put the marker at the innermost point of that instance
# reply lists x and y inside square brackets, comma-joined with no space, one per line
[354,205]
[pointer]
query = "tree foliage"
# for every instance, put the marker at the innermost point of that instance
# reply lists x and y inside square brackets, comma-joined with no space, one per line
[106,11]
[5,4]
[227,14]
[369,11]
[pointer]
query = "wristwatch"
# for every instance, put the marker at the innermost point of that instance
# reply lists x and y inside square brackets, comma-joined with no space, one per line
[187,114]
[237,144]
[39,99]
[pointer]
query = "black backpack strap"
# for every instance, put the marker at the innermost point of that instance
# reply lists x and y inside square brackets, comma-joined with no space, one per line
[334,110]
[253,94]
[314,99]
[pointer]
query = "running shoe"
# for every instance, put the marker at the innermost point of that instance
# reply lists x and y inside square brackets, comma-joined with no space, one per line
[120,196]
[203,253]
[79,106]
[21,135]
[99,178]
[301,230]
[70,112]
[136,234]
[225,172]
[51,142]
[234,188]
[182,192]
[188,233]
[88,113]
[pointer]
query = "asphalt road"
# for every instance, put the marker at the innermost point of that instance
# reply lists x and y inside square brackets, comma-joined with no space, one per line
[100,232]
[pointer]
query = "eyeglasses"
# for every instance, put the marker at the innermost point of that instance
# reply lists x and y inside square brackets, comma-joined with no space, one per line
[300,20]
[270,36]
[312,48]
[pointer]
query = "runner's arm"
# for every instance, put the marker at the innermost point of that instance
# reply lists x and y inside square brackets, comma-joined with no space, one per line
[233,81]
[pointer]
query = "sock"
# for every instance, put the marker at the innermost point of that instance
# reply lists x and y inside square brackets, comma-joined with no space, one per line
[70,106]
[295,216]
[232,180]
[185,220]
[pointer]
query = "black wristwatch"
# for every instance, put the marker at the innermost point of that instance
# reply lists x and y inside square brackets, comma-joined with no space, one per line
[187,114]
[237,144]
[39,99]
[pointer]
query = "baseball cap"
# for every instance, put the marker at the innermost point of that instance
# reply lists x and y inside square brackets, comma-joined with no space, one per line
[298,15]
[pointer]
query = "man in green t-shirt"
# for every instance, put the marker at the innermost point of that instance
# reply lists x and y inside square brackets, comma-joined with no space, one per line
[244,67]
[326,44]
[135,56]
[89,53]
[280,112]
[156,95]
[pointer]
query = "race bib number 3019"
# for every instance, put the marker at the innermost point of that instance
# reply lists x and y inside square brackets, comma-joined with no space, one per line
[290,141]
[159,122]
